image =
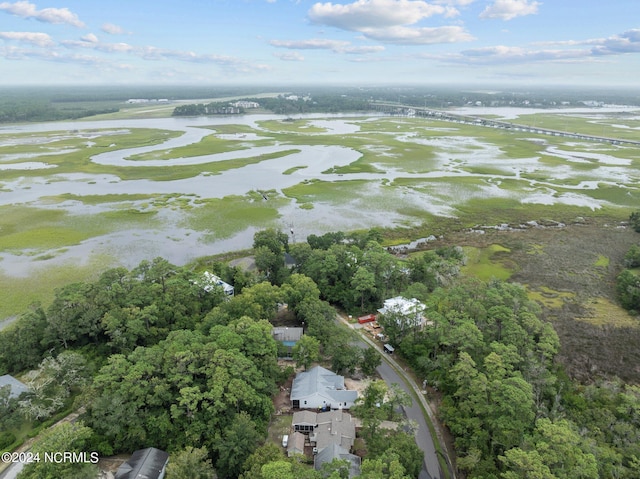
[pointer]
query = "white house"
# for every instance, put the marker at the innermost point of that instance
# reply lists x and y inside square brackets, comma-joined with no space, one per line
[320,388]
[210,280]
[410,311]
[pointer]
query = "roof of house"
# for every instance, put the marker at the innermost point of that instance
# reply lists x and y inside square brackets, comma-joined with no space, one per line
[210,281]
[287,334]
[144,464]
[305,417]
[15,387]
[402,305]
[334,427]
[319,380]
[334,451]
[296,443]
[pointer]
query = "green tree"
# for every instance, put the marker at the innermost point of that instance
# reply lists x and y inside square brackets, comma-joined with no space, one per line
[299,288]
[634,220]
[364,284]
[269,246]
[371,359]
[268,452]
[21,345]
[190,463]
[386,466]
[527,464]
[306,351]
[371,408]
[628,289]
[66,437]
[235,445]
[632,258]
[51,384]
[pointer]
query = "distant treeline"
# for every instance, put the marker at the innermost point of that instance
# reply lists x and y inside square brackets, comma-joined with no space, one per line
[18,112]
[282,105]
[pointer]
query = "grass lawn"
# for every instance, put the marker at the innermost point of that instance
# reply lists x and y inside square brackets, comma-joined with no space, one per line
[280,425]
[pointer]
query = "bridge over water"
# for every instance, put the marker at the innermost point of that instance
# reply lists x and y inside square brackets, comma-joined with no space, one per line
[408,110]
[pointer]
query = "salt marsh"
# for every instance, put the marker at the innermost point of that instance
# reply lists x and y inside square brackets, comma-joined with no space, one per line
[187,187]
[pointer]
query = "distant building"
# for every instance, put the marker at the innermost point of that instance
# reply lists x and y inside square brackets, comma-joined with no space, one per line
[210,281]
[245,104]
[320,388]
[16,388]
[150,463]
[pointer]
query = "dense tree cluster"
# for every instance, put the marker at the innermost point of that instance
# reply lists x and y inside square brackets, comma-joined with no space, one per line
[35,110]
[356,273]
[628,281]
[194,372]
[511,410]
[115,314]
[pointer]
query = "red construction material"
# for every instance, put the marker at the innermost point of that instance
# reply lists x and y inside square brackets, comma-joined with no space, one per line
[367,319]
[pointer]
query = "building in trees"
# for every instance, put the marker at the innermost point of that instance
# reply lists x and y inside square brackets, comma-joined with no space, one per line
[320,388]
[328,454]
[150,463]
[16,388]
[296,444]
[406,312]
[286,338]
[210,281]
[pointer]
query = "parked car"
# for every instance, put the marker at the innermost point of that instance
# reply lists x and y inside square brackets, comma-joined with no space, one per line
[285,440]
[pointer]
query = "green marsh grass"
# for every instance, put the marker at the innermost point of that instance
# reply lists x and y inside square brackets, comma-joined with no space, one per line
[488,263]
[19,292]
[220,218]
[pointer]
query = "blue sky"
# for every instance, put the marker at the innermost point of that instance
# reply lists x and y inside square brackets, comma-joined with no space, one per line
[357,42]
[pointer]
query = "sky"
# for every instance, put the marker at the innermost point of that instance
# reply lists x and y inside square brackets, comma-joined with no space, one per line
[352,42]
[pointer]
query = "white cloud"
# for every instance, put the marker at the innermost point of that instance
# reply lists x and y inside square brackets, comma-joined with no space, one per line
[392,21]
[112,29]
[510,9]
[504,54]
[91,41]
[25,9]
[627,42]
[336,46]
[373,13]
[38,39]
[462,3]
[312,44]
[419,36]
[289,56]
[91,38]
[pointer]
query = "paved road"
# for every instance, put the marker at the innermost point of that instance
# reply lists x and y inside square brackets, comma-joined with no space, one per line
[431,466]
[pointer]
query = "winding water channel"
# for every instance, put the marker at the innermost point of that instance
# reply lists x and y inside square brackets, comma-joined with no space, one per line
[179,244]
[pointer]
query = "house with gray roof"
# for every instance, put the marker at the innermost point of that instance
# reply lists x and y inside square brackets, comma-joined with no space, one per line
[296,444]
[15,387]
[328,454]
[325,428]
[149,463]
[320,388]
[333,427]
